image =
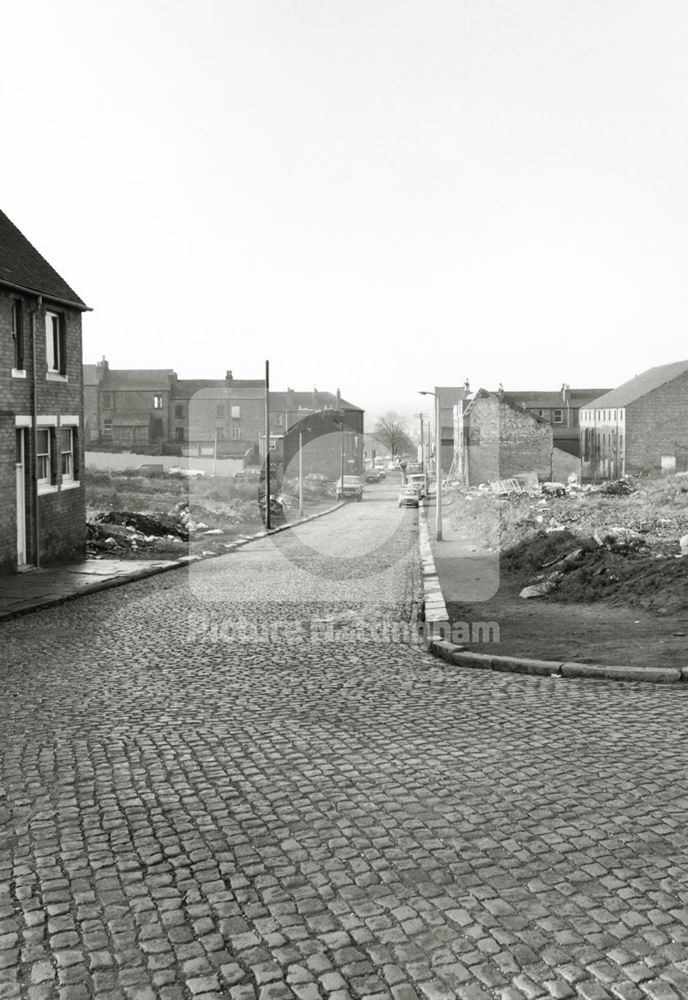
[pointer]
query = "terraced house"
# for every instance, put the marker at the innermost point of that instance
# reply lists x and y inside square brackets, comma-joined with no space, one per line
[42,505]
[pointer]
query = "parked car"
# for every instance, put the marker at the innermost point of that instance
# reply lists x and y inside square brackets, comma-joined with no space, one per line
[316,477]
[417,482]
[408,497]
[181,470]
[151,469]
[351,489]
[372,476]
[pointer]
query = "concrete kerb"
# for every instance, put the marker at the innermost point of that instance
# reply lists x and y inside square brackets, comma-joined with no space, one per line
[145,573]
[437,629]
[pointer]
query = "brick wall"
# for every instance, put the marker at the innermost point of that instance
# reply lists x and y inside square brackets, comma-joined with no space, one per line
[503,441]
[656,426]
[62,513]
[8,525]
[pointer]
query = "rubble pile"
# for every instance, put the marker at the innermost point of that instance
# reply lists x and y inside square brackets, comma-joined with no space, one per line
[158,533]
[624,541]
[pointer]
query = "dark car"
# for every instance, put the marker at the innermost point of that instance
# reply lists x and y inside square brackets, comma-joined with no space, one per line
[350,489]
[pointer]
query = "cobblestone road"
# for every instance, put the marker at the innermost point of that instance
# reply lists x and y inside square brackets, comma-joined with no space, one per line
[230,783]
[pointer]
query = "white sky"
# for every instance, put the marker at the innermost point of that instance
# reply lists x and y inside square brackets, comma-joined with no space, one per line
[376,195]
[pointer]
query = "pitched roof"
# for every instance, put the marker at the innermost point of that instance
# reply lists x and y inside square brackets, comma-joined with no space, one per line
[535,398]
[186,388]
[22,267]
[640,386]
[314,400]
[121,379]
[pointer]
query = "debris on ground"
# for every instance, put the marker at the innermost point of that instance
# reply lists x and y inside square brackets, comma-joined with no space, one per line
[623,541]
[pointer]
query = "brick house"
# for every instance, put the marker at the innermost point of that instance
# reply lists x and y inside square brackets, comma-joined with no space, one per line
[329,426]
[639,428]
[127,408]
[560,409]
[42,503]
[153,411]
[499,440]
[224,414]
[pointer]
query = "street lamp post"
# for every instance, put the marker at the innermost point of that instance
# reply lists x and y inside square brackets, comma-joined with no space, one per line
[300,473]
[438,465]
[340,424]
[301,430]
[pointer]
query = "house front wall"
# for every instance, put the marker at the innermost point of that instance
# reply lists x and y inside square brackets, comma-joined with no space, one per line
[54,513]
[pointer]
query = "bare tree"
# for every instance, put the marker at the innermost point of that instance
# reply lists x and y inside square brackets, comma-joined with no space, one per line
[391,430]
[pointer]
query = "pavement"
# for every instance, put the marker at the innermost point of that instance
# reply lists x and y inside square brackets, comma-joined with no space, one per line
[40,588]
[34,589]
[245,781]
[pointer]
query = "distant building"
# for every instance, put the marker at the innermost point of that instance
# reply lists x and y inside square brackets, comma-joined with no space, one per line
[154,411]
[560,409]
[42,505]
[224,417]
[640,428]
[127,408]
[499,440]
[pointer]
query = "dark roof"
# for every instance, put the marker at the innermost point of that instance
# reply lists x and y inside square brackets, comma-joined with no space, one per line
[121,379]
[314,400]
[535,398]
[186,388]
[22,267]
[640,386]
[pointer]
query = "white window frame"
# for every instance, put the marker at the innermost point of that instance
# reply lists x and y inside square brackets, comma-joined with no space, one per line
[67,477]
[236,432]
[157,401]
[236,412]
[55,344]
[44,482]
[554,417]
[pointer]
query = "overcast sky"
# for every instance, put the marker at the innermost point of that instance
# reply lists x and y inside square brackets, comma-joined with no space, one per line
[376,195]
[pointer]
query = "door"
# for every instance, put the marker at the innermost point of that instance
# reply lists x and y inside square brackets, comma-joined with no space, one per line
[21,495]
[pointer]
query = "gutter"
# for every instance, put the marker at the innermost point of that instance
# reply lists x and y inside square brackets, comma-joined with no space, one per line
[69,303]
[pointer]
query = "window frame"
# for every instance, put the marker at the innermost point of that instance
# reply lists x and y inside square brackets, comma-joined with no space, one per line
[55,344]
[70,475]
[43,480]
[18,335]
[559,419]
[157,401]
[235,411]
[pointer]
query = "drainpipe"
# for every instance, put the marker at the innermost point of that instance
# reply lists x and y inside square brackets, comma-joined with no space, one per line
[34,436]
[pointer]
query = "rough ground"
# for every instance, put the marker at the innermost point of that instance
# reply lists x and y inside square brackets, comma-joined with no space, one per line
[624,601]
[626,541]
[233,783]
[167,516]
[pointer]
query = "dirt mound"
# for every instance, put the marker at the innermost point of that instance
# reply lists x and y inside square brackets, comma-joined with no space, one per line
[540,551]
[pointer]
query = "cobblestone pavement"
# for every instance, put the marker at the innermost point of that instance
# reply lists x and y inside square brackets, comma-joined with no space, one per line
[227,783]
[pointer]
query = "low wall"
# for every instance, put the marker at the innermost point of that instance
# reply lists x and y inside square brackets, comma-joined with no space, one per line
[107,461]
